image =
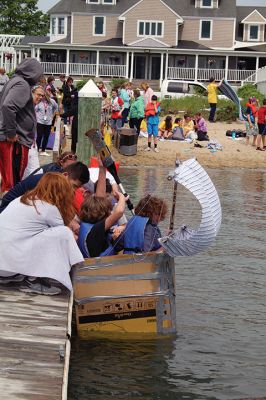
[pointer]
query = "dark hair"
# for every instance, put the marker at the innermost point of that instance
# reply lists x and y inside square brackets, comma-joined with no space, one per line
[154,97]
[198,114]
[115,90]
[211,79]
[108,186]
[187,116]
[104,95]
[95,209]
[264,102]
[177,120]
[78,171]
[150,205]
[136,92]
[69,79]
[168,123]
[50,79]
[62,76]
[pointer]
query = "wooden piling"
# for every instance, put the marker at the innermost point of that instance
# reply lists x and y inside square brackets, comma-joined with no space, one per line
[89,116]
[34,345]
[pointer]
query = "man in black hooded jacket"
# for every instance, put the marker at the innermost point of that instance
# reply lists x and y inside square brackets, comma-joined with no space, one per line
[17,122]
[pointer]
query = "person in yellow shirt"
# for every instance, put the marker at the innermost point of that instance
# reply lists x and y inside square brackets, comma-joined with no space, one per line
[189,128]
[212,90]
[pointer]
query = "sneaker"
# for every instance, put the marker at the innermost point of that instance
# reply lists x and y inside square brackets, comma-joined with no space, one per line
[156,150]
[161,139]
[43,153]
[147,149]
[39,286]
[11,279]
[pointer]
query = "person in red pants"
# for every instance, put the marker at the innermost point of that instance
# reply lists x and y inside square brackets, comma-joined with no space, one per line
[17,122]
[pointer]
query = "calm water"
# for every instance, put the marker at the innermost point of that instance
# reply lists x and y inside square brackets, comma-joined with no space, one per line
[219,351]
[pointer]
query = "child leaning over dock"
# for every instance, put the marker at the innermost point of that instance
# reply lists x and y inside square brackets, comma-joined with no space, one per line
[152,112]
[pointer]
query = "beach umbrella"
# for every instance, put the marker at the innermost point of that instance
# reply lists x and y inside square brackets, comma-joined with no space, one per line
[185,241]
[228,91]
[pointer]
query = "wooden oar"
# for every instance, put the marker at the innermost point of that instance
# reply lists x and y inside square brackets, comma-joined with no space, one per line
[97,140]
[172,215]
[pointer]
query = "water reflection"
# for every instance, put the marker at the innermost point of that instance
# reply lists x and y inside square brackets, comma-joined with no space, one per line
[219,352]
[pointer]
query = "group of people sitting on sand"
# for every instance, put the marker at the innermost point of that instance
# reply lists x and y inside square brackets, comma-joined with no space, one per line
[65,212]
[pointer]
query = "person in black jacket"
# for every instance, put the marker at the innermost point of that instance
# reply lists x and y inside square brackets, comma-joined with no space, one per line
[73,112]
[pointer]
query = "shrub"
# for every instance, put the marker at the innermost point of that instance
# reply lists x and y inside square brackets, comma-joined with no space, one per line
[249,90]
[80,84]
[117,82]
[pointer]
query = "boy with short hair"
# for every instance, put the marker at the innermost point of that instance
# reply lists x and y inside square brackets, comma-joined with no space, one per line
[262,127]
[152,112]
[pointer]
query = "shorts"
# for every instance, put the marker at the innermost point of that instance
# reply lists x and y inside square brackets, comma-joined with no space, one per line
[251,131]
[262,129]
[152,129]
[116,123]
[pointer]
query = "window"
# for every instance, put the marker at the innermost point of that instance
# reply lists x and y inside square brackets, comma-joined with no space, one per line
[150,28]
[108,2]
[99,26]
[207,3]
[61,26]
[205,29]
[253,32]
[101,2]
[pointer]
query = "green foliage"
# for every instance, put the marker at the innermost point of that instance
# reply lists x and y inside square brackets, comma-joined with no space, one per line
[226,109]
[22,18]
[250,90]
[117,82]
[79,84]
[200,91]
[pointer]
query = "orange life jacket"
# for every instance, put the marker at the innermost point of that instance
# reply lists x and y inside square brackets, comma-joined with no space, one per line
[150,109]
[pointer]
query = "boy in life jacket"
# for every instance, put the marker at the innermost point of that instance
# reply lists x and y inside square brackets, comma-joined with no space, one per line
[117,107]
[251,123]
[96,218]
[142,232]
[152,112]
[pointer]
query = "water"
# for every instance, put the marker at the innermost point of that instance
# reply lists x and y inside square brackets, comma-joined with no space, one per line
[219,351]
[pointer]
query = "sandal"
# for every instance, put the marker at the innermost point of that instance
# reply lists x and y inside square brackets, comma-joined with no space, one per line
[259,148]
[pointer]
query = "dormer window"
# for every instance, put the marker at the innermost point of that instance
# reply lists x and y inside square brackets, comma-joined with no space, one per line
[150,28]
[111,2]
[253,32]
[206,3]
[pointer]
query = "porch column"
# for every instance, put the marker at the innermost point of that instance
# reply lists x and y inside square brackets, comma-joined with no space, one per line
[67,62]
[33,52]
[97,63]
[132,67]
[226,67]
[166,66]
[196,67]
[127,65]
[19,56]
[2,59]
[161,70]
[257,67]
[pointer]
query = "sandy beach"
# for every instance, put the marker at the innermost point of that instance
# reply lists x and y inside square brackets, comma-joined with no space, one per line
[234,153]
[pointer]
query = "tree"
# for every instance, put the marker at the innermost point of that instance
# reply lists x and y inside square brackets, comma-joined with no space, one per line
[22,18]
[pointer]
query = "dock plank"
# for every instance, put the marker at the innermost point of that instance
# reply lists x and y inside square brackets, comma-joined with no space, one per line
[32,331]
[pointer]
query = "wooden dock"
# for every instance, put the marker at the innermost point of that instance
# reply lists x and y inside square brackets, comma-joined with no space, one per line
[34,345]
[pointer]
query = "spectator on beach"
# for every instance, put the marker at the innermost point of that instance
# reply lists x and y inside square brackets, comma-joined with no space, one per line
[62,79]
[166,128]
[251,123]
[178,132]
[45,112]
[136,113]
[51,87]
[35,241]
[64,160]
[123,94]
[148,93]
[77,173]
[17,122]
[189,128]
[212,90]
[201,127]
[117,107]
[152,112]
[261,127]
[68,95]
[3,79]
[73,112]
[130,91]
[102,87]
[105,110]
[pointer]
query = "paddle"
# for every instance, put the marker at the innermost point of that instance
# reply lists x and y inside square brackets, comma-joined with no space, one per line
[97,140]
[172,215]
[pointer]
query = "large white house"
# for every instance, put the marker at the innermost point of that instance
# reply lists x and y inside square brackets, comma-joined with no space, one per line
[151,40]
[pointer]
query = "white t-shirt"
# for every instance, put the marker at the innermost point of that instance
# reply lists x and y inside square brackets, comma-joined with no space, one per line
[94,174]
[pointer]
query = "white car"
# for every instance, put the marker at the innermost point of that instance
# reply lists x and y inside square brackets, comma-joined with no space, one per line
[173,89]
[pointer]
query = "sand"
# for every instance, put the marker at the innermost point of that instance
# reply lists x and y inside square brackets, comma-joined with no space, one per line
[235,153]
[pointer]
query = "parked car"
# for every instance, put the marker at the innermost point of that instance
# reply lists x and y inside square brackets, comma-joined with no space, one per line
[176,89]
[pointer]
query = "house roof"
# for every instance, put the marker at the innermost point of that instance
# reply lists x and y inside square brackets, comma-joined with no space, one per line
[243,12]
[115,42]
[188,44]
[33,39]
[182,8]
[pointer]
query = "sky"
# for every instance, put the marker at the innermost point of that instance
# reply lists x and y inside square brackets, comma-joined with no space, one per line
[46,4]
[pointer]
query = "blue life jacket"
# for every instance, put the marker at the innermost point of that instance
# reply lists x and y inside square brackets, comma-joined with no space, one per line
[134,235]
[84,230]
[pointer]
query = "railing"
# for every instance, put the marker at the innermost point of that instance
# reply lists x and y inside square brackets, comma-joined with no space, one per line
[82,69]
[112,70]
[257,77]
[233,75]
[54,68]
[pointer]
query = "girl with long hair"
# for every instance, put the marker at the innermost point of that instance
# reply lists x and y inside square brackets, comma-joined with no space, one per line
[35,239]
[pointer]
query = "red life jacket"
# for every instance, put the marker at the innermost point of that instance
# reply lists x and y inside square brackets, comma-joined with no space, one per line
[150,109]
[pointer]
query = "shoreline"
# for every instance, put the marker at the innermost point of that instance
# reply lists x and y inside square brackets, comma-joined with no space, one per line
[235,153]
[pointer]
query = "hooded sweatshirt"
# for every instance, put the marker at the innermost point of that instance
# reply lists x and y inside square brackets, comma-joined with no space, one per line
[17,114]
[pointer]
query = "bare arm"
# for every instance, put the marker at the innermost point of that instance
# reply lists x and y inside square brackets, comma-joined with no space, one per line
[101,185]
[118,212]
